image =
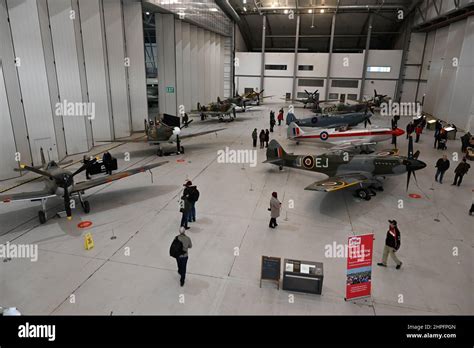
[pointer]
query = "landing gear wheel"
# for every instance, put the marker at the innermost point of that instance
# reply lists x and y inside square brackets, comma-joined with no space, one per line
[160,153]
[280,167]
[363,194]
[42,217]
[221,120]
[297,143]
[86,207]
[203,117]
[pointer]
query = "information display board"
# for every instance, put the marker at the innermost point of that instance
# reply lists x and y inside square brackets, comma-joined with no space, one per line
[359,266]
[271,269]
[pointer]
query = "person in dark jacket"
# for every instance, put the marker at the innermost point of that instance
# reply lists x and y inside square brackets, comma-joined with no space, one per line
[465,141]
[410,128]
[262,139]
[272,120]
[185,210]
[87,162]
[192,194]
[267,137]
[182,260]
[185,120]
[107,160]
[254,137]
[460,171]
[442,166]
[392,244]
[438,126]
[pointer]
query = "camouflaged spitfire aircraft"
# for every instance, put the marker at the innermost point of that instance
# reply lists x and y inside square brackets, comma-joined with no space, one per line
[330,121]
[254,96]
[165,130]
[221,110]
[347,169]
[59,182]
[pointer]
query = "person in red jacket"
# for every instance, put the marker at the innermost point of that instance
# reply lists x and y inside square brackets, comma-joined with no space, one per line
[280,117]
[418,131]
[392,244]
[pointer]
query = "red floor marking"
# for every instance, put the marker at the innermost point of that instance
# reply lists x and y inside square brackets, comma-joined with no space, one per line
[414,195]
[180,161]
[84,224]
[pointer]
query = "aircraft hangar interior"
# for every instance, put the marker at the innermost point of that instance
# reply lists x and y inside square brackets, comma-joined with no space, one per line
[237,158]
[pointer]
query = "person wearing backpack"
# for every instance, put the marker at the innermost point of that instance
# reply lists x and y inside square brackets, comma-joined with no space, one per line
[192,194]
[179,250]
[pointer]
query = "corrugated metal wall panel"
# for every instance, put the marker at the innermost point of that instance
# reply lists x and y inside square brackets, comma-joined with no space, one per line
[93,39]
[68,73]
[133,20]
[114,35]
[7,141]
[186,43]
[227,66]
[195,83]
[179,65]
[10,76]
[26,32]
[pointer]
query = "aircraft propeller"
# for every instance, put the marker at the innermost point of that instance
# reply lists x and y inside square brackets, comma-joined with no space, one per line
[412,163]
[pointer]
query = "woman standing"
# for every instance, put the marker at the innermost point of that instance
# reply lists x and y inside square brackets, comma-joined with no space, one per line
[275,207]
[262,139]
[267,137]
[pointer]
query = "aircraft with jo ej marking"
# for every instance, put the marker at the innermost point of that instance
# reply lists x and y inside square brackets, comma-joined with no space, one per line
[347,169]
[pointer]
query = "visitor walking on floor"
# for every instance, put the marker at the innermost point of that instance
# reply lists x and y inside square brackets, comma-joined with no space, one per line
[192,194]
[275,207]
[418,131]
[254,137]
[179,250]
[392,244]
[267,137]
[442,165]
[262,139]
[280,117]
[460,171]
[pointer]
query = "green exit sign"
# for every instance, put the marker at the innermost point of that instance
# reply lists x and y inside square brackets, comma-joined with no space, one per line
[169,89]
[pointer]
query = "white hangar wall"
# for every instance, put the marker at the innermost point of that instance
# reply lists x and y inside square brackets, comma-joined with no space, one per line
[344,77]
[53,51]
[445,57]
[194,65]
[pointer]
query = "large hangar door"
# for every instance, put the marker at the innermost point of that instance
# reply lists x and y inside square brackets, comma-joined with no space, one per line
[7,141]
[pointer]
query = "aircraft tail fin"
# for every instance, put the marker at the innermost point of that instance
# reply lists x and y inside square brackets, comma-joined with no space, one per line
[275,153]
[290,117]
[294,131]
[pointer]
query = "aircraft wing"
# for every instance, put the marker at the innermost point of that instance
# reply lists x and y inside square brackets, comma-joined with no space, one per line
[26,196]
[186,136]
[338,182]
[142,139]
[85,185]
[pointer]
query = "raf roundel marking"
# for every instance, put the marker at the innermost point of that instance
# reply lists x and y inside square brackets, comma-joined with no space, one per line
[414,195]
[324,135]
[308,162]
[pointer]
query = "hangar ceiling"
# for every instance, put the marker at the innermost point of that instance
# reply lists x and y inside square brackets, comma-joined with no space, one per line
[315,23]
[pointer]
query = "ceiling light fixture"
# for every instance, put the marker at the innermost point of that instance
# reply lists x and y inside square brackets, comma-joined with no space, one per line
[245,9]
[285,12]
[213,9]
[244,1]
[147,13]
[322,10]
[310,11]
[312,21]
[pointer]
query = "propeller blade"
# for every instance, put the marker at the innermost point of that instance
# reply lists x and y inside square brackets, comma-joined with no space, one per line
[417,154]
[307,92]
[369,121]
[414,176]
[408,177]
[37,171]
[410,147]
[67,203]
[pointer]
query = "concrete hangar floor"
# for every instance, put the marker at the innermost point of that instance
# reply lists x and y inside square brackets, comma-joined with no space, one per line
[134,274]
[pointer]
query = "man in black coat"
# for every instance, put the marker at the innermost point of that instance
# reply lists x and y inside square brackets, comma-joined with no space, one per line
[107,160]
[442,165]
[392,244]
